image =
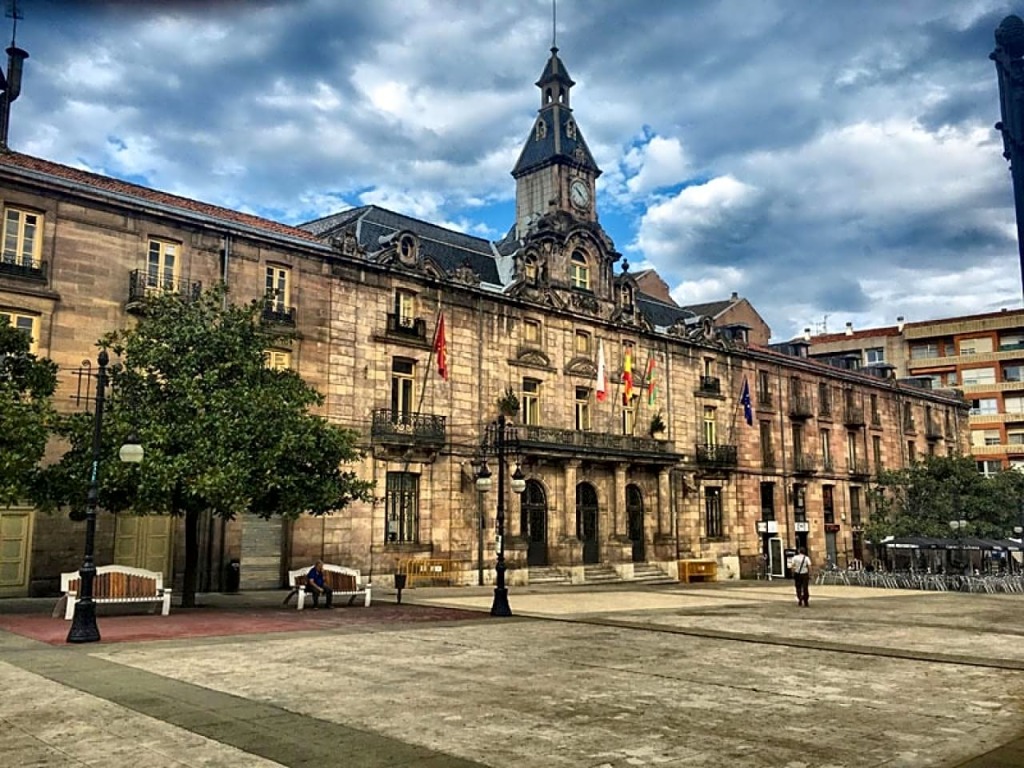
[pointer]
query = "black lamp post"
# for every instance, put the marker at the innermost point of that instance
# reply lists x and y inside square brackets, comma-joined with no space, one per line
[959,526]
[83,625]
[497,438]
[10,84]
[1010,73]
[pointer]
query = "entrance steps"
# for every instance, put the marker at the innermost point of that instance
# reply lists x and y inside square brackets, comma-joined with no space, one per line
[599,573]
[547,574]
[648,573]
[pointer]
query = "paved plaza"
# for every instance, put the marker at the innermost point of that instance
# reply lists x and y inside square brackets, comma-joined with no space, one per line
[712,675]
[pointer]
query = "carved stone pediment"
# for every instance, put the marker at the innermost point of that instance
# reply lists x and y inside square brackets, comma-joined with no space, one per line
[585,302]
[533,356]
[347,244]
[465,274]
[582,366]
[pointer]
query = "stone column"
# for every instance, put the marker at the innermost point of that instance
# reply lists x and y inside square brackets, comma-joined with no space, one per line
[569,501]
[664,503]
[619,507]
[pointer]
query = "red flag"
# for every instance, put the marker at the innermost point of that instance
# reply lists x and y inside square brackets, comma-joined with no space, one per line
[441,348]
[627,377]
[602,378]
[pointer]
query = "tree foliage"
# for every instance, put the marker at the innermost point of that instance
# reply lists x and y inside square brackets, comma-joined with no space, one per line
[922,499]
[222,432]
[27,384]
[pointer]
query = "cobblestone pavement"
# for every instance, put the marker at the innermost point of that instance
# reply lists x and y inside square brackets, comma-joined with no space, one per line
[712,675]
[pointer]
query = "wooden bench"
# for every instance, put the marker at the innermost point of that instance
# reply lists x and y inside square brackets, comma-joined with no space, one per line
[117,584]
[698,570]
[344,582]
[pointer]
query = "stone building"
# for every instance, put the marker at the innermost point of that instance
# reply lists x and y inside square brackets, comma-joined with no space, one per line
[758,451]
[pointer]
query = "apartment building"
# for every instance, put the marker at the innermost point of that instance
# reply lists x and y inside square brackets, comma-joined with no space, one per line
[761,451]
[981,355]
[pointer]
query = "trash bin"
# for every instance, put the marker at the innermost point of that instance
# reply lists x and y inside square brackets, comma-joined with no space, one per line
[400,584]
[232,576]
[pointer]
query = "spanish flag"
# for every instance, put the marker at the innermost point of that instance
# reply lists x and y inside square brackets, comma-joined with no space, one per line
[441,347]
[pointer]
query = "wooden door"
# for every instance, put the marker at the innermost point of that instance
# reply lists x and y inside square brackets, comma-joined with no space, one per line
[15,551]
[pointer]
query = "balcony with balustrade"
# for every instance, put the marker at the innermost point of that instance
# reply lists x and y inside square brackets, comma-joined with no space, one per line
[406,430]
[804,464]
[853,416]
[716,456]
[23,269]
[800,407]
[143,284]
[710,385]
[556,442]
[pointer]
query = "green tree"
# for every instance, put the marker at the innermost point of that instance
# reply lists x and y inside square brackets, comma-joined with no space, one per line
[27,384]
[922,499]
[221,432]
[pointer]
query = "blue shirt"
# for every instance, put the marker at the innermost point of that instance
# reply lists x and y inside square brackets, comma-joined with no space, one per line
[316,577]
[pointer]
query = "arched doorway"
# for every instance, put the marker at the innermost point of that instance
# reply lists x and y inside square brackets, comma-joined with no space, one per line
[533,523]
[586,521]
[635,517]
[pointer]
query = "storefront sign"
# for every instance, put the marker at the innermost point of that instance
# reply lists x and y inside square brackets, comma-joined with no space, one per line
[801,527]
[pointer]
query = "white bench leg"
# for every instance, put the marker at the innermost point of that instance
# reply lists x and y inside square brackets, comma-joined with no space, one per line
[69,606]
[167,603]
[366,603]
[300,600]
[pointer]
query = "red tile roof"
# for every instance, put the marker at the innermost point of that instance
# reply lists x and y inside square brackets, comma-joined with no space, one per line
[107,184]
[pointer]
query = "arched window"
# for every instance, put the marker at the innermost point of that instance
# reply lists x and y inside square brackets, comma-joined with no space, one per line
[530,267]
[547,96]
[579,271]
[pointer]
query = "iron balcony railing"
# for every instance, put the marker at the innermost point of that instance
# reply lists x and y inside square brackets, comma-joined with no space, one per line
[908,424]
[824,409]
[389,425]
[800,407]
[858,467]
[853,416]
[23,268]
[768,458]
[279,314]
[876,419]
[827,465]
[933,430]
[716,455]
[142,284]
[572,441]
[804,463]
[764,399]
[409,327]
[710,385]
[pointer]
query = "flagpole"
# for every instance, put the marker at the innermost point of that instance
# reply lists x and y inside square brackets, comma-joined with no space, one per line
[430,360]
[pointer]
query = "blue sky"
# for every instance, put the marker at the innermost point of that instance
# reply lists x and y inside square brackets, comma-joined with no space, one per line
[833,162]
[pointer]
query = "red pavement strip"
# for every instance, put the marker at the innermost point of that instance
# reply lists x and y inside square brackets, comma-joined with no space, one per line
[220,622]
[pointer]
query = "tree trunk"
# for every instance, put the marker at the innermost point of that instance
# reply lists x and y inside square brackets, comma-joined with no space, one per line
[188,589]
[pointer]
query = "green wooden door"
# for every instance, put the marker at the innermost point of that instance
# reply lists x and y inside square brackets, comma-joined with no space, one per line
[15,551]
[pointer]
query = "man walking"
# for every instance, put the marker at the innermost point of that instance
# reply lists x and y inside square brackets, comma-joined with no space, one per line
[801,567]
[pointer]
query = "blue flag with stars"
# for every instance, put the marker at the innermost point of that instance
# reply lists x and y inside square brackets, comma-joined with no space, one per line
[748,407]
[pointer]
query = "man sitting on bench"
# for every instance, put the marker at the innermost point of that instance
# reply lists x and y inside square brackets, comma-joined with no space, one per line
[316,585]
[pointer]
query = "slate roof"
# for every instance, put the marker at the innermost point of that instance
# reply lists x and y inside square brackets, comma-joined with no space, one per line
[450,249]
[536,151]
[145,194]
[661,314]
[710,309]
[554,70]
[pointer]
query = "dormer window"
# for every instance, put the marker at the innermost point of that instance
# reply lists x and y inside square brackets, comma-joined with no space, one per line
[626,296]
[542,128]
[579,274]
[407,248]
[530,268]
[570,129]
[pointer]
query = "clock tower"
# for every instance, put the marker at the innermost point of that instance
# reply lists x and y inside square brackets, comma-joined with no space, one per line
[555,170]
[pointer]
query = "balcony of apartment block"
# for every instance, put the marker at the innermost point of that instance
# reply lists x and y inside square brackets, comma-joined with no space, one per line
[765,401]
[933,430]
[804,464]
[710,386]
[23,269]
[143,284]
[800,407]
[828,465]
[824,411]
[996,450]
[405,430]
[857,468]
[716,456]
[555,442]
[853,416]
[276,313]
[405,330]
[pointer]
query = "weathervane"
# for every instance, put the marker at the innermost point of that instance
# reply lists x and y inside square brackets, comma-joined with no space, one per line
[10,83]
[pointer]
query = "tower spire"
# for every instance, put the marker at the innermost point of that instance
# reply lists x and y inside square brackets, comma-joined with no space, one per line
[554,24]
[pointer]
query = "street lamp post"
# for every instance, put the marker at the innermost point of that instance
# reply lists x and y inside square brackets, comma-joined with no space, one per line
[1010,74]
[10,89]
[959,526]
[497,439]
[83,625]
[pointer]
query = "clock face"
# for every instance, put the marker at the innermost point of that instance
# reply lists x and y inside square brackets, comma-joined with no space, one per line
[579,194]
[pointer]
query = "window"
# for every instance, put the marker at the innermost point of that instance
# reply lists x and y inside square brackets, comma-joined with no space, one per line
[402,507]
[855,514]
[767,453]
[824,399]
[531,402]
[985,437]
[579,271]
[799,502]
[278,288]
[990,467]
[405,308]
[851,450]
[278,359]
[975,346]
[531,331]
[1011,341]
[709,366]
[713,512]
[530,266]
[162,266]
[767,501]
[26,324]
[1015,436]
[908,417]
[874,355]
[626,296]
[764,388]
[710,425]
[582,343]
[876,417]
[403,379]
[826,448]
[876,451]
[22,237]
[919,351]
[1013,373]
[979,376]
[798,439]
[987,405]
[828,506]
[582,408]
[911,451]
